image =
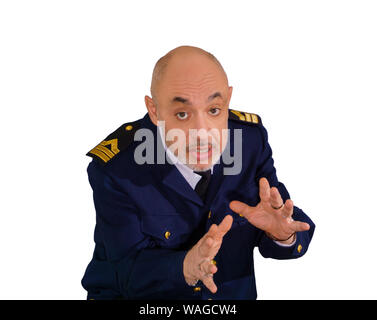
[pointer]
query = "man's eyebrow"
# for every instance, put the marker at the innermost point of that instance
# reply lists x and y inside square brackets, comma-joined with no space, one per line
[215,95]
[186,101]
[180,99]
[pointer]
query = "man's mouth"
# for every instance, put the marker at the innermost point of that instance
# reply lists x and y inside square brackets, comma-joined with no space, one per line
[202,152]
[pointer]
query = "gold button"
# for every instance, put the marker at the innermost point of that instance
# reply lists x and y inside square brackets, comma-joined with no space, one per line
[299,248]
[129,127]
[197,289]
[241,215]
[213,262]
[167,234]
[209,214]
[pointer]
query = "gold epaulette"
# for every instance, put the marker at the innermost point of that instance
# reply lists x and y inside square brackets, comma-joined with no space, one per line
[242,116]
[115,142]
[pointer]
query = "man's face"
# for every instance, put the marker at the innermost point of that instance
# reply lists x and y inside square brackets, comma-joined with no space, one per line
[194,94]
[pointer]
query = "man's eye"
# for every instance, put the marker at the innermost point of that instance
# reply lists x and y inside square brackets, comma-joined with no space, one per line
[214,111]
[181,115]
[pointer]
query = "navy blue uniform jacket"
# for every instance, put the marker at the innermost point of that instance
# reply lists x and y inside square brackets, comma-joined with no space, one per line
[148,217]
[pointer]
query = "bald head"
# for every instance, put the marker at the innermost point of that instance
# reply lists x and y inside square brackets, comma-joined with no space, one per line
[190,91]
[179,59]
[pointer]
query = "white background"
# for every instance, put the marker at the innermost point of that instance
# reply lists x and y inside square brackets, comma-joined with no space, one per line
[73,71]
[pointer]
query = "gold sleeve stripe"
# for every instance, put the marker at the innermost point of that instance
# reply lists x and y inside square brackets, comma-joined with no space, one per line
[105,151]
[254,118]
[100,155]
[248,117]
[239,114]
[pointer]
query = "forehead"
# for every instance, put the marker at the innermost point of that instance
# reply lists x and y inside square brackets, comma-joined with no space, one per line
[193,78]
[203,87]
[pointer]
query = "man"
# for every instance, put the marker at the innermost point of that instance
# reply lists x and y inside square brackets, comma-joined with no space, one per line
[186,228]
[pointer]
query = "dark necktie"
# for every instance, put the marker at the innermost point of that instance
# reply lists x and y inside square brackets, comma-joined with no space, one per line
[202,186]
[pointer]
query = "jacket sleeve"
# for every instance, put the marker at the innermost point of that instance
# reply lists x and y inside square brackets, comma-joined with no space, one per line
[126,264]
[267,247]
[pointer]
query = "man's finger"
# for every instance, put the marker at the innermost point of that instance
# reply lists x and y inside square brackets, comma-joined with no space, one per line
[208,267]
[206,246]
[264,190]
[287,210]
[241,208]
[218,231]
[275,197]
[298,226]
[209,283]
[214,236]
[224,226]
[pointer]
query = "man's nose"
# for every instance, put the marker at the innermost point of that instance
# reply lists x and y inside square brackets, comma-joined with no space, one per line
[201,123]
[201,129]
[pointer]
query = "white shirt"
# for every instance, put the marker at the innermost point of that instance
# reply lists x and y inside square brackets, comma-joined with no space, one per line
[191,177]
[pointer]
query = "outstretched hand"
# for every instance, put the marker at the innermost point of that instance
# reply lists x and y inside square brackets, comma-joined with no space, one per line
[271,214]
[198,263]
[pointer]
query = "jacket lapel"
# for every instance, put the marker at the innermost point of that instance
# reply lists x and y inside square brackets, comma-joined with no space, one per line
[174,180]
[167,173]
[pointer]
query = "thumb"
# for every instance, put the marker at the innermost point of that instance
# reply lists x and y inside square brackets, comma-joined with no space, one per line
[241,208]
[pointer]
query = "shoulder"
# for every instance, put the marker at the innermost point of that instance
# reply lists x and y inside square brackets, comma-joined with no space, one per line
[116,142]
[247,118]
[250,123]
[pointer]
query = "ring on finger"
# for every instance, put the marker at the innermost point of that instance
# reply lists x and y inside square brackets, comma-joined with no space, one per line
[277,208]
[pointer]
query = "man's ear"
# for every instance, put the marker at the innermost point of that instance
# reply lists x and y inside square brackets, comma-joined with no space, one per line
[230,90]
[152,109]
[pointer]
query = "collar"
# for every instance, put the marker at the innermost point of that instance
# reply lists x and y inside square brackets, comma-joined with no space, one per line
[190,176]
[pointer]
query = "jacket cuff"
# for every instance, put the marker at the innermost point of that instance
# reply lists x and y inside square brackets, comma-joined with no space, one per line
[285,244]
[271,249]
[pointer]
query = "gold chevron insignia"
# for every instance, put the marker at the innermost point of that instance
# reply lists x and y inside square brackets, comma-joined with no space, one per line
[104,153]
